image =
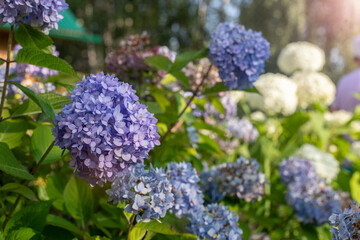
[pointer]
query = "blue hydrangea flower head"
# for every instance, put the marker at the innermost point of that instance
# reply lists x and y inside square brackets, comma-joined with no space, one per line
[105,128]
[312,200]
[215,222]
[44,14]
[147,192]
[296,169]
[187,193]
[209,186]
[239,54]
[242,129]
[241,178]
[346,224]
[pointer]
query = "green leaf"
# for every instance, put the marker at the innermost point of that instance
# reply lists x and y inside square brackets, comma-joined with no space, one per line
[218,87]
[10,165]
[62,223]
[12,131]
[40,141]
[155,226]
[41,59]
[29,107]
[355,186]
[160,98]
[153,107]
[28,36]
[22,234]
[33,216]
[79,200]
[38,99]
[55,186]
[159,62]
[182,78]
[218,105]
[20,189]
[183,59]
[251,90]
[137,233]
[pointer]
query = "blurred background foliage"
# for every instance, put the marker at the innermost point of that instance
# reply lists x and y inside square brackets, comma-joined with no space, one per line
[184,24]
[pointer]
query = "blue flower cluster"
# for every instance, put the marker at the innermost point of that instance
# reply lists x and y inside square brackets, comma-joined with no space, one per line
[239,54]
[346,225]
[311,199]
[242,129]
[34,71]
[105,128]
[241,178]
[187,194]
[215,222]
[148,192]
[42,13]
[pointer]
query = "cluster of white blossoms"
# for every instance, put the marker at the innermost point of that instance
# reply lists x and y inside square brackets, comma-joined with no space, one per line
[326,165]
[277,94]
[314,87]
[337,118]
[303,56]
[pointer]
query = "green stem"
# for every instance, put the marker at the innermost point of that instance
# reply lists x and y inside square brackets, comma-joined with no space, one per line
[42,158]
[7,70]
[171,127]
[12,210]
[131,226]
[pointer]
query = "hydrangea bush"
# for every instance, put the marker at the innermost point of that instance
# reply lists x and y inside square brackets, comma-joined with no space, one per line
[163,149]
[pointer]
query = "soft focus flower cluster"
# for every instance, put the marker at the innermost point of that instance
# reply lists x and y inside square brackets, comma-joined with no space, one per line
[193,135]
[314,87]
[241,178]
[277,95]
[148,192]
[325,164]
[105,128]
[242,129]
[301,56]
[346,224]
[196,71]
[44,14]
[187,193]
[128,60]
[239,54]
[337,118]
[215,222]
[311,199]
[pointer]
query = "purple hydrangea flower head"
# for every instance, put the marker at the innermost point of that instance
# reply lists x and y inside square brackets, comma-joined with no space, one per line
[346,224]
[241,178]
[187,193]
[215,222]
[147,192]
[34,71]
[44,14]
[242,129]
[105,128]
[308,195]
[312,200]
[295,169]
[239,54]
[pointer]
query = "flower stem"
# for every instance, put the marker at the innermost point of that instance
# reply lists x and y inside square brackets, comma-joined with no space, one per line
[131,226]
[172,126]
[42,158]
[7,62]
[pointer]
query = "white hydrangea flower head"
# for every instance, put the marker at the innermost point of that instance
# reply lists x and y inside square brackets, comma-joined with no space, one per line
[337,118]
[325,163]
[301,56]
[258,116]
[314,87]
[277,94]
[355,126]
[355,148]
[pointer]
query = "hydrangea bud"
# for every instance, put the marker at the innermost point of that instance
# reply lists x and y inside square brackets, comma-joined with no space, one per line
[105,128]
[239,54]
